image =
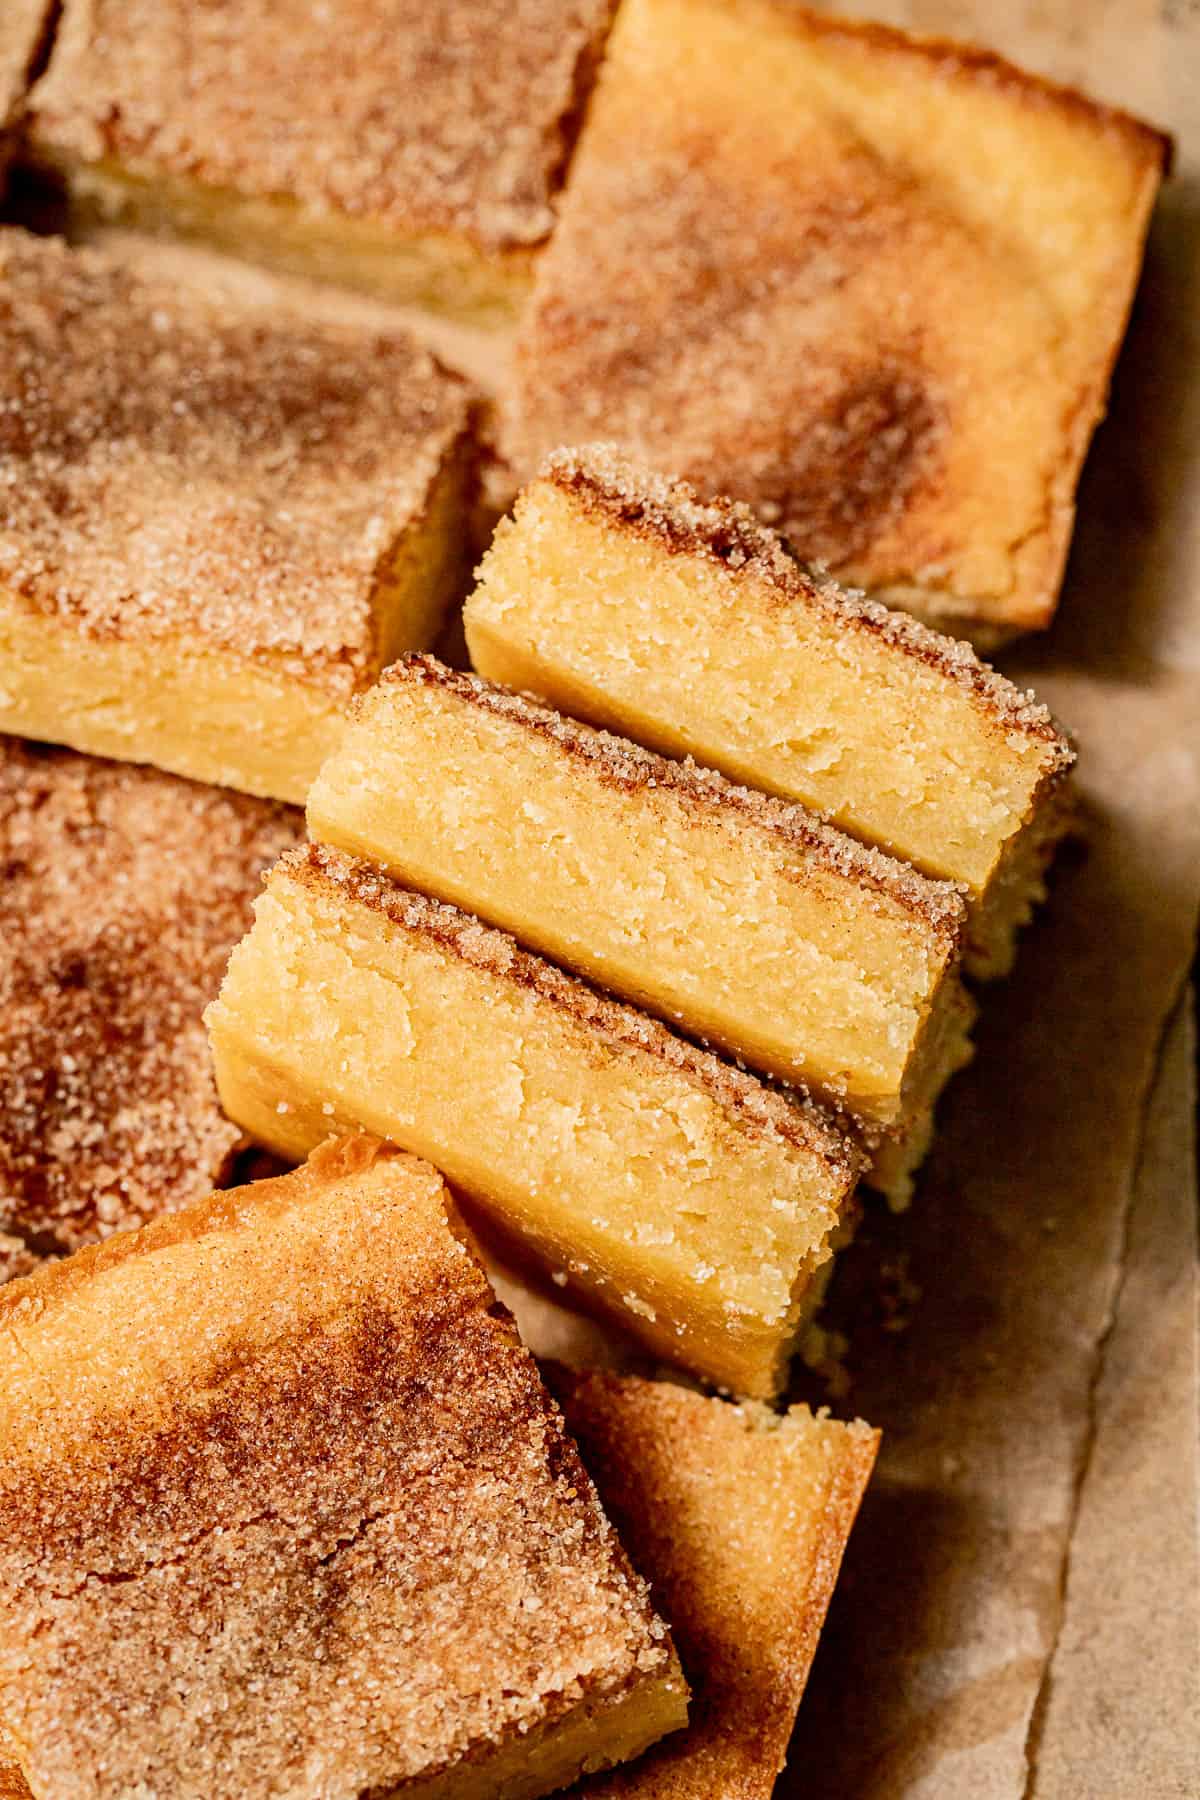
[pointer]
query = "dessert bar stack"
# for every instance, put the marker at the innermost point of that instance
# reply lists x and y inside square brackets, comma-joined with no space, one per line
[700,1211]
[626,600]
[625,956]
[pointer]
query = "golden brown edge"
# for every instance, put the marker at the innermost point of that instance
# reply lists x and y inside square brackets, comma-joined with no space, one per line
[959,59]
[670,512]
[855,1467]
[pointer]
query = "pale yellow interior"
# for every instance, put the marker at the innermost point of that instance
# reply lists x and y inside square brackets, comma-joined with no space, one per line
[440,270]
[544,1761]
[686,656]
[628,1178]
[896,1158]
[700,913]
[202,711]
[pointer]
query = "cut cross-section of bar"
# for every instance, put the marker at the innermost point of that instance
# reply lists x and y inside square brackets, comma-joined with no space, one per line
[620,596]
[872,284]
[661,1185]
[285,1509]
[740,917]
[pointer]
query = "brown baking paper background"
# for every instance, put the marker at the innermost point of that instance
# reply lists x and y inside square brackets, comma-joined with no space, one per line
[1018,1614]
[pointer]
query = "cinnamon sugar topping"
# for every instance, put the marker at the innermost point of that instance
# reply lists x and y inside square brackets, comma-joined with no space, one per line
[336,1538]
[637,498]
[625,764]
[425,115]
[123,892]
[172,464]
[751,1102]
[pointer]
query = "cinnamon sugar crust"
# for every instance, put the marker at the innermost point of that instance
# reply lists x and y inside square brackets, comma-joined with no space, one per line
[950,60]
[349,1484]
[123,892]
[633,497]
[422,115]
[171,465]
[755,1105]
[309,1432]
[830,254]
[624,764]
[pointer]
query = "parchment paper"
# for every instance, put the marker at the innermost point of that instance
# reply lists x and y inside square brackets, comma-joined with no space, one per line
[965,1654]
[1129,1627]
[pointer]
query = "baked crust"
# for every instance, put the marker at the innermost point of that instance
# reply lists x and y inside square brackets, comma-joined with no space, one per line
[446,116]
[620,596]
[124,890]
[834,248]
[293,1417]
[209,474]
[739,1518]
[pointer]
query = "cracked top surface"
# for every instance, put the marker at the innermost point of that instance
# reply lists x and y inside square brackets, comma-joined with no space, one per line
[123,892]
[175,465]
[294,1418]
[434,115]
[831,253]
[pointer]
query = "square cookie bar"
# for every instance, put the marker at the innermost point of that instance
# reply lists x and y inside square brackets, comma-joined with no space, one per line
[284,1508]
[217,523]
[410,148]
[658,1185]
[872,284]
[123,891]
[739,1518]
[620,596]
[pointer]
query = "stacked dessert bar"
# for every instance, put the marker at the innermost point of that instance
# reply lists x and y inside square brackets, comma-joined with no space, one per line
[628,954]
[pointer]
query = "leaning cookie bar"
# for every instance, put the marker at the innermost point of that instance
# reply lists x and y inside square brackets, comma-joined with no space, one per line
[217,524]
[286,1508]
[739,1518]
[816,301]
[411,150]
[672,1192]
[124,891]
[621,596]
